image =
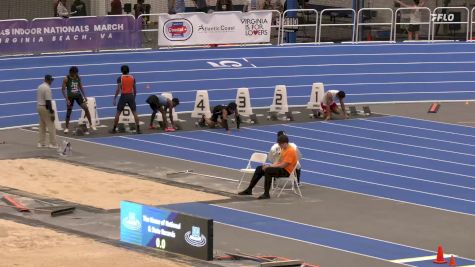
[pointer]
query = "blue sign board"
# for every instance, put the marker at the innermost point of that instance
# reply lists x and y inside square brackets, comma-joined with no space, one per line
[166,230]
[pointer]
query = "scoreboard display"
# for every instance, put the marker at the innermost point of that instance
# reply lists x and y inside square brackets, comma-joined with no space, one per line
[166,230]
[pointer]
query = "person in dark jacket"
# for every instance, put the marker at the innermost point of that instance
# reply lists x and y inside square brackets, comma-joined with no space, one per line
[224,5]
[116,7]
[201,6]
[78,8]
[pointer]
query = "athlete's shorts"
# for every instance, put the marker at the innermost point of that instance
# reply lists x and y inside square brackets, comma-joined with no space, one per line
[333,106]
[127,99]
[153,102]
[217,112]
[413,28]
[77,98]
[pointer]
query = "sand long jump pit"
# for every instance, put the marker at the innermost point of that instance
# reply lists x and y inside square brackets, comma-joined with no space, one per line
[36,246]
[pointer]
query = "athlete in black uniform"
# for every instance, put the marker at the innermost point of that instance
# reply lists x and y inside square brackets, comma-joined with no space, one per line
[73,91]
[222,112]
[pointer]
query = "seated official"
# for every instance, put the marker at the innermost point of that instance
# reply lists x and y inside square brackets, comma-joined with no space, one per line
[282,168]
[275,152]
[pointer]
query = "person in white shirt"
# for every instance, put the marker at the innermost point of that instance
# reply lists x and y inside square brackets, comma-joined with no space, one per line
[329,105]
[62,10]
[274,154]
[415,18]
[46,113]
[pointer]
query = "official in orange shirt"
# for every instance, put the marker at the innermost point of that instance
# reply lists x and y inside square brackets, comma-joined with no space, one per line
[282,168]
[127,89]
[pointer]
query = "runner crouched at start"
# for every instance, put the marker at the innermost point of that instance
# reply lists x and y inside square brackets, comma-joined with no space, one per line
[329,105]
[161,103]
[222,112]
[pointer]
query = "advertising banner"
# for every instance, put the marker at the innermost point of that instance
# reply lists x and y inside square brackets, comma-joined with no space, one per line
[73,34]
[214,28]
[166,230]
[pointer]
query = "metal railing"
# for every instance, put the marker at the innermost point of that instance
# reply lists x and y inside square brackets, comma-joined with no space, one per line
[292,26]
[361,23]
[288,21]
[467,22]
[412,9]
[472,14]
[353,13]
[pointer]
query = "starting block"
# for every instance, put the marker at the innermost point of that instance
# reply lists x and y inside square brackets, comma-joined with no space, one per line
[272,116]
[315,113]
[289,116]
[253,118]
[434,107]
[353,111]
[366,110]
[121,128]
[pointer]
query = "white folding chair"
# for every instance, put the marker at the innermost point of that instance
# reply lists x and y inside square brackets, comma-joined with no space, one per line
[255,157]
[282,182]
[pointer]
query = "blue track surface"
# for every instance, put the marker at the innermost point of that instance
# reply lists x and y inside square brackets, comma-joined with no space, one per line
[425,163]
[369,73]
[310,234]
[415,161]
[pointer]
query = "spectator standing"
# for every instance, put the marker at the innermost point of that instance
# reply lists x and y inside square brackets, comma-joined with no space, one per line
[224,5]
[55,8]
[252,5]
[116,7]
[176,6]
[414,19]
[139,8]
[78,8]
[46,114]
[180,6]
[62,10]
[201,6]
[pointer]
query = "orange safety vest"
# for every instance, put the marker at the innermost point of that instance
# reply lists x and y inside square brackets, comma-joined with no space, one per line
[127,83]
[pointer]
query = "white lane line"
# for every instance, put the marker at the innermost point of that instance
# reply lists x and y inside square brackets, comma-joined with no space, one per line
[380,140]
[195,51]
[330,163]
[406,135]
[417,259]
[438,122]
[283,67]
[334,230]
[419,128]
[372,149]
[223,58]
[313,172]
[297,86]
[310,184]
[289,76]
[302,241]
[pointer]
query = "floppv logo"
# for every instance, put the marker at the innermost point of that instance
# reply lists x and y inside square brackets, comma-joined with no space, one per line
[195,238]
[178,29]
[131,222]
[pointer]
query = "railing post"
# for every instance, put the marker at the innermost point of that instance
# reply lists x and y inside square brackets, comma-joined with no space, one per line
[321,24]
[361,23]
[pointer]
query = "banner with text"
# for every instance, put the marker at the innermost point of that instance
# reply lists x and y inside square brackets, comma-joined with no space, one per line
[73,34]
[214,28]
